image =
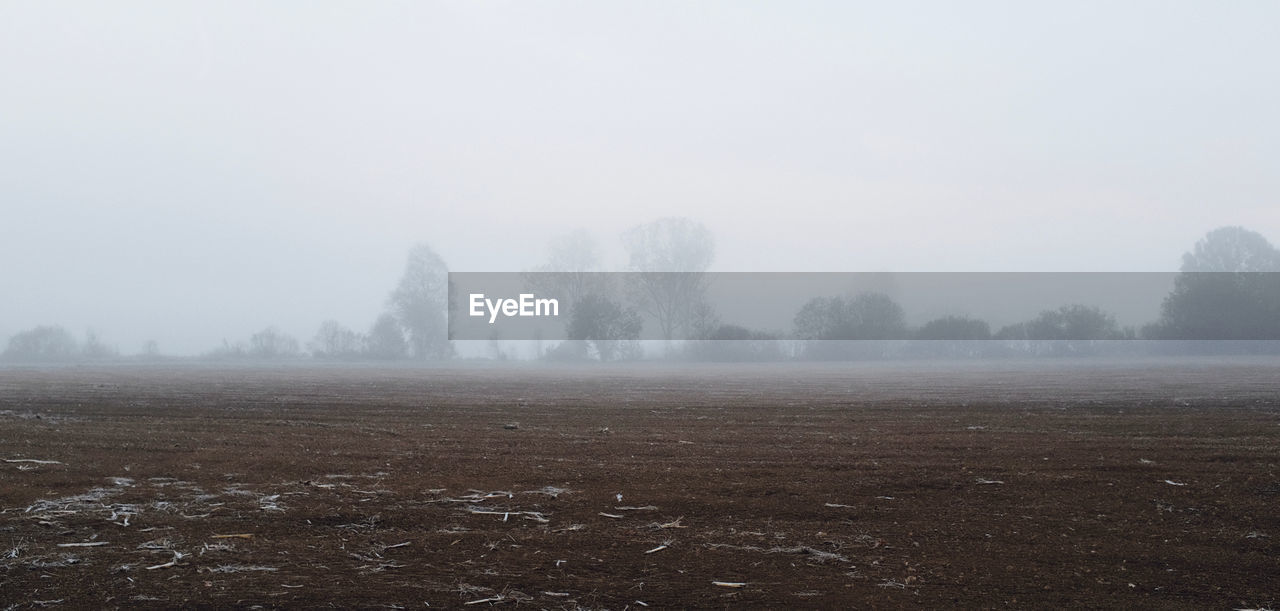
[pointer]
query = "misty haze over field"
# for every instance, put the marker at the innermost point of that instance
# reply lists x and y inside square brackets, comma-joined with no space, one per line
[193,173]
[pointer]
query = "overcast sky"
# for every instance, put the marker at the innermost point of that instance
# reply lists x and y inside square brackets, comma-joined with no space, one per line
[190,172]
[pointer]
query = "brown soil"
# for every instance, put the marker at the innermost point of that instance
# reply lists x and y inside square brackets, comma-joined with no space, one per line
[1024,485]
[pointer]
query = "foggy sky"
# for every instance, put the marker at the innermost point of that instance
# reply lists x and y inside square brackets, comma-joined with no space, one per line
[189,172]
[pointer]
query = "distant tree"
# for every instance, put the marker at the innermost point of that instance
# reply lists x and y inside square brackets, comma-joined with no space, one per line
[669,258]
[1229,289]
[40,344]
[1220,306]
[571,270]
[957,328]
[420,301]
[1076,322]
[878,317]
[1232,249]
[735,343]
[604,325]
[864,316]
[95,348]
[386,339]
[150,348]
[1068,330]
[270,343]
[952,336]
[1069,322]
[822,318]
[228,350]
[336,341]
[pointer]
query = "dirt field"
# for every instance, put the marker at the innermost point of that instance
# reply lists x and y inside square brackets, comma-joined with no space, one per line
[1024,485]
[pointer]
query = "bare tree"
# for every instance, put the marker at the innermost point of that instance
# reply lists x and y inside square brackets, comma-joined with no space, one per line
[419,303]
[270,343]
[571,270]
[669,258]
[336,341]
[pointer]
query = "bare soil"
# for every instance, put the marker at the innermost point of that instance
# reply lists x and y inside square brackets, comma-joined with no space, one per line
[1041,484]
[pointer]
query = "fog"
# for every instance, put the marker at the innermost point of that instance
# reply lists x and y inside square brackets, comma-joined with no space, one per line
[191,173]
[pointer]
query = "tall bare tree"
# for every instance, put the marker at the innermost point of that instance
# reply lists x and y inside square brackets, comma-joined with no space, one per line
[419,303]
[669,258]
[571,271]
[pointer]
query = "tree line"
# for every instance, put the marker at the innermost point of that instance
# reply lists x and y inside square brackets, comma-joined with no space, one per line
[1227,289]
